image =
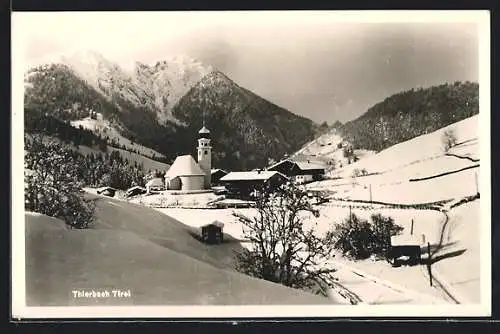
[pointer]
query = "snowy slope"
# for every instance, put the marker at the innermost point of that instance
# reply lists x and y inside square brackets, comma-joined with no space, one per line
[458,261]
[329,148]
[419,158]
[104,128]
[147,163]
[418,149]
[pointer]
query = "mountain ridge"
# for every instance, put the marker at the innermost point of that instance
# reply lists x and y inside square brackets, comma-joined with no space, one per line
[138,104]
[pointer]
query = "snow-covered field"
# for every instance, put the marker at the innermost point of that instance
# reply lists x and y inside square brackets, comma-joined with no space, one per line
[425,222]
[174,199]
[411,278]
[417,158]
[457,262]
[326,149]
[460,258]
[418,149]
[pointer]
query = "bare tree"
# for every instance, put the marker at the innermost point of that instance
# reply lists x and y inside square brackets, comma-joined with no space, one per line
[282,249]
[449,139]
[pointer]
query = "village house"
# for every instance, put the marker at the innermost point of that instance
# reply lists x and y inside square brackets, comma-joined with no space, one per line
[217,174]
[299,171]
[243,184]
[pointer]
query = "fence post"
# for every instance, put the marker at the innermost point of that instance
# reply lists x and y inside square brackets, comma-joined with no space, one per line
[371,193]
[477,185]
[411,230]
[429,262]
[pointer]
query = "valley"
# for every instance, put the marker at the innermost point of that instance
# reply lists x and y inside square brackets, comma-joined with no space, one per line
[141,121]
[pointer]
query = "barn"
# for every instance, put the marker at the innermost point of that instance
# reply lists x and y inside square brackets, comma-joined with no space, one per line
[216,175]
[185,174]
[299,171]
[242,184]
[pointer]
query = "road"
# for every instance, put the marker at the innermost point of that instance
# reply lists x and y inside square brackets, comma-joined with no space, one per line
[358,287]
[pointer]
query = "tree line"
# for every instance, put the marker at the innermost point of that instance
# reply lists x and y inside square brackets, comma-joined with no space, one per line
[412,113]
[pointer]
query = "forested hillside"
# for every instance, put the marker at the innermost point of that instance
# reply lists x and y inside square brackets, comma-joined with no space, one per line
[247,130]
[412,113]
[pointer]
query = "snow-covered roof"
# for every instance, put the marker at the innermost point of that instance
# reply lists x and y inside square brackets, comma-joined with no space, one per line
[253,175]
[216,223]
[217,170]
[308,165]
[184,165]
[303,165]
[204,130]
[136,187]
[406,240]
[156,182]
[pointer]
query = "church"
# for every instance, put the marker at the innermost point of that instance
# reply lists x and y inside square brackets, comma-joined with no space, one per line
[188,175]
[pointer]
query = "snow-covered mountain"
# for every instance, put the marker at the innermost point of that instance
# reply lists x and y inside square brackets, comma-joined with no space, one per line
[162,107]
[168,80]
[163,83]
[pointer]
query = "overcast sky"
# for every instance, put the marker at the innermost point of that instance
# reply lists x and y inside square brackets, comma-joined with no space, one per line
[323,65]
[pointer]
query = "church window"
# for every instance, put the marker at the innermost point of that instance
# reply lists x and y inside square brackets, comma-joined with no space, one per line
[206,152]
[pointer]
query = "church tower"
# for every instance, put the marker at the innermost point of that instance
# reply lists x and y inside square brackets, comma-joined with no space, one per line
[205,155]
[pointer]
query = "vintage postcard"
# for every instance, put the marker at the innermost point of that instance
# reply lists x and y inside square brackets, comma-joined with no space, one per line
[251,164]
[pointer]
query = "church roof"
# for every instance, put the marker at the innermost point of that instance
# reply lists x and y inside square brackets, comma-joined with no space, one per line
[204,130]
[184,165]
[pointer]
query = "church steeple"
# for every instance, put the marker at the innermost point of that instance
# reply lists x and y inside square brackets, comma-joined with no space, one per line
[205,153]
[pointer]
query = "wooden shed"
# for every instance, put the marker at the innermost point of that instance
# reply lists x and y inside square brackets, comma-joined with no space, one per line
[405,248]
[213,233]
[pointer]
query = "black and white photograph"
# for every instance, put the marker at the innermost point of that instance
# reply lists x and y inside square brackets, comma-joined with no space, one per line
[250,164]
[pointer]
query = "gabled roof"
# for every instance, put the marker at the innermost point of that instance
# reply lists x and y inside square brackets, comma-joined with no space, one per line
[253,175]
[279,163]
[308,165]
[303,165]
[212,171]
[184,165]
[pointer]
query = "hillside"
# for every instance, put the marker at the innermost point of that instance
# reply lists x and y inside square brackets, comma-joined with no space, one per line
[161,107]
[104,129]
[412,113]
[398,118]
[159,260]
[414,171]
[330,149]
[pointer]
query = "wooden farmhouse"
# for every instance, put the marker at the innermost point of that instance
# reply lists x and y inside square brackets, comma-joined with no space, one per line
[243,184]
[216,175]
[299,171]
